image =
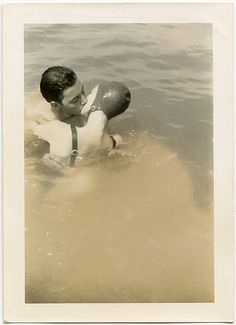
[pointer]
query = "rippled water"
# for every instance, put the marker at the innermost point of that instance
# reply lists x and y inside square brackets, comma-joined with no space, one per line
[136,227]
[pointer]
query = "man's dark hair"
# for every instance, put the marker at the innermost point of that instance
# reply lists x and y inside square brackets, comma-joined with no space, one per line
[54,81]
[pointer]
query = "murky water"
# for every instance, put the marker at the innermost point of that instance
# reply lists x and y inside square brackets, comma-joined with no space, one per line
[136,226]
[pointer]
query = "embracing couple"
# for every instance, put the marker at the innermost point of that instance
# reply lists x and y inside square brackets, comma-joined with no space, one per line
[80,123]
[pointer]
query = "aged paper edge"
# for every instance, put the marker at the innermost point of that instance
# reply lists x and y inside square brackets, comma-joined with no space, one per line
[14,18]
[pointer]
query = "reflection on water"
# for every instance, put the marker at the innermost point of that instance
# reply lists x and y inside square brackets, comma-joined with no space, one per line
[136,226]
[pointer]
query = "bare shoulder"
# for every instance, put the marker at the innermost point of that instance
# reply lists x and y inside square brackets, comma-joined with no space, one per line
[58,135]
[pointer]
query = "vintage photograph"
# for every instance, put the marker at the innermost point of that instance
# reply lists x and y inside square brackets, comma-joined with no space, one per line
[118,159]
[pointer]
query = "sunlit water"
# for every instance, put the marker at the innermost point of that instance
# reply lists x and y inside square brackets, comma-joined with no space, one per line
[136,226]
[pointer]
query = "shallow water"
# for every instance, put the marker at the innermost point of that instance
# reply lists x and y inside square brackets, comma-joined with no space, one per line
[136,226]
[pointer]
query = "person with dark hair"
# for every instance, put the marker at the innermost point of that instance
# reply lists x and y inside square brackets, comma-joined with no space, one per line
[65,92]
[80,126]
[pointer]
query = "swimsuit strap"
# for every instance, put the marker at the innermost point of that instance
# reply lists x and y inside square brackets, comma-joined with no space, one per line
[74,151]
[113,142]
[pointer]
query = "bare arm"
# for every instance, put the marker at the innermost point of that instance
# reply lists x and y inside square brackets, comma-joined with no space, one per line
[90,99]
[94,138]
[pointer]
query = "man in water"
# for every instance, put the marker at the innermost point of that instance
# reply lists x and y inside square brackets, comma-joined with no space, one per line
[64,91]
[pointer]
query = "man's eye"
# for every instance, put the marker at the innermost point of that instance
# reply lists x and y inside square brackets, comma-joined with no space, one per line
[75,100]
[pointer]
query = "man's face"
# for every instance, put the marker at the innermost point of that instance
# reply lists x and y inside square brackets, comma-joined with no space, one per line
[73,99]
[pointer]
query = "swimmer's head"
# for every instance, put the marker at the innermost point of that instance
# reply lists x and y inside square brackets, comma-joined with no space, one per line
[63,90]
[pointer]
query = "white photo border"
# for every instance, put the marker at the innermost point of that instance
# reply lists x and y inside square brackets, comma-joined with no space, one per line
[14,18]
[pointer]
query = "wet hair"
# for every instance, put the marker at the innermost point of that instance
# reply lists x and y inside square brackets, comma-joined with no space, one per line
[54,81]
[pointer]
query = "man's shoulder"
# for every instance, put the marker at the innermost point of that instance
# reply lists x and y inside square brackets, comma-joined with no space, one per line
[37,109]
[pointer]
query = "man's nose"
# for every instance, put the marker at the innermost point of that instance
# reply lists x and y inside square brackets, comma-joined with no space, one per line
[84,100]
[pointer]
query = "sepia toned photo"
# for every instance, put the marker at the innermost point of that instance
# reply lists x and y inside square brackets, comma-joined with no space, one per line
[130,219]
[118,204]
